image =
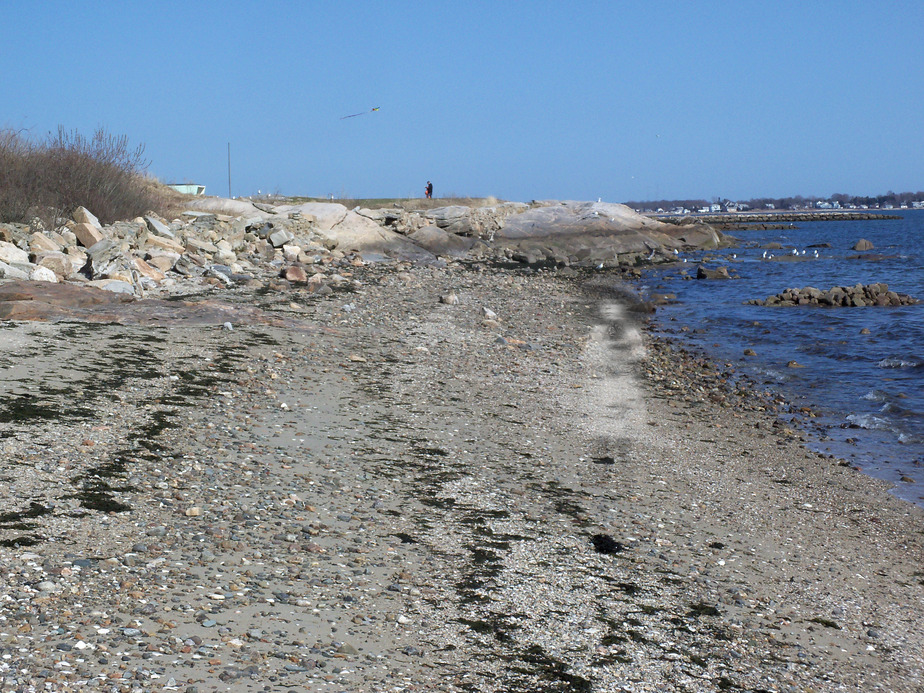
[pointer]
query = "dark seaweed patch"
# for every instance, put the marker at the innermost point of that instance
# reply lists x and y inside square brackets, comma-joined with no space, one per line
[21,541]
[102,501]
[35,510]
[701,609]
[605,544]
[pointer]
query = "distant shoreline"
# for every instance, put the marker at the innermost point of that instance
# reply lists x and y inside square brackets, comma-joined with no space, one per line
[774,216]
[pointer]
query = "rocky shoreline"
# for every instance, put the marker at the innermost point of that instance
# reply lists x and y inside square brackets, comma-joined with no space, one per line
[371,489]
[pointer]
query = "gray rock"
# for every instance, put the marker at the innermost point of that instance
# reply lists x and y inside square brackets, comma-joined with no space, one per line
[83,216]
[156,226]
[280,238]
[11,254]
[440,242]
[11,272]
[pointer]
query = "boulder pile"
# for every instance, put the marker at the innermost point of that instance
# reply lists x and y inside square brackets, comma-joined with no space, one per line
[847,296]
[228,242]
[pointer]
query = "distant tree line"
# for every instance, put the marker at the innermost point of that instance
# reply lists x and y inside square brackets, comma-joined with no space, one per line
[795,202]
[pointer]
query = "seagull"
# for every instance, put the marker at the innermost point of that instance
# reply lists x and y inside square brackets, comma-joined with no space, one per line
[765,255]
[795,252]
[816,253]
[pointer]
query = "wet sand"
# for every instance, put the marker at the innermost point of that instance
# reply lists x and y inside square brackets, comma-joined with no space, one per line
[414,495]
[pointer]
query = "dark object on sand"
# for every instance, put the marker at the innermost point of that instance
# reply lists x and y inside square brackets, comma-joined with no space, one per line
[604,543]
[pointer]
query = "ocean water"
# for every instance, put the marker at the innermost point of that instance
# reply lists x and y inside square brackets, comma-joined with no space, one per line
[867,389]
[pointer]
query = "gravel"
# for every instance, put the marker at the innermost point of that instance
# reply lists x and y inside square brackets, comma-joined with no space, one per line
[511,491]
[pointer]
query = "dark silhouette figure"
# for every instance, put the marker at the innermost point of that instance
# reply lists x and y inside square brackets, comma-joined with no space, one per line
[429,190]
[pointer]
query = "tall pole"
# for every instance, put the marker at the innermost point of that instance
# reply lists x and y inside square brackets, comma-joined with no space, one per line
[229,169]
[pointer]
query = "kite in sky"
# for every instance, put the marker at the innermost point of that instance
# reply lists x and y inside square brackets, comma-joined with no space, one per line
[359,114]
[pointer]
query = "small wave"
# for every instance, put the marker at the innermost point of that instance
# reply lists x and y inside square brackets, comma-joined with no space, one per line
[869,422]
[897,410]
[876,396]
[896,362]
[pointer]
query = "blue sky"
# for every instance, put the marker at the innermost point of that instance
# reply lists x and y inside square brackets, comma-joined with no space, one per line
[521,100]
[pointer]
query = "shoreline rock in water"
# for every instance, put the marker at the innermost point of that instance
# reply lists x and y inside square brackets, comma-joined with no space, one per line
[857,296]
[413,493]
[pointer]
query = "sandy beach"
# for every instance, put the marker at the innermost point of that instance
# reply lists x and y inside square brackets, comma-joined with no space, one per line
[449,479]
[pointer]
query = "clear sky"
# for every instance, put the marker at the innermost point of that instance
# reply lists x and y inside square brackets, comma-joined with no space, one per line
[521,100]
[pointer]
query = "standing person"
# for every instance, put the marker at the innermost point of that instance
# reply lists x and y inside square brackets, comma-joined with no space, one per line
[429,190]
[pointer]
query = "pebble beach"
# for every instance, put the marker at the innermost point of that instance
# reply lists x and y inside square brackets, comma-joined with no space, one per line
[458,478]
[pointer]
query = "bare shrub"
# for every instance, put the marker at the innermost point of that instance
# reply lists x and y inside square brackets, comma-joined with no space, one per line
[52,178]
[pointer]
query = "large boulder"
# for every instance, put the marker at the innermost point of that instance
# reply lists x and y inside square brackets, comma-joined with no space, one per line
[11,254]
[87,234]
[588,233]
[440,242]
[224,205]
[481,222]
[566,218]
[326,215]
[348,231]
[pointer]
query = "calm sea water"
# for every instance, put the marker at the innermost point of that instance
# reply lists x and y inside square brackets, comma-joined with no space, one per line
[868,389]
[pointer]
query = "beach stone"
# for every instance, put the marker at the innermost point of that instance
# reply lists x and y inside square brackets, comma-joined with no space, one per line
[863,244]
[168,244]
[87,234]
[82,215]
[11,272]
[40,243]
[146,270]
[718,273]
[12,254]
[296,274]
[197,245]
[57,262]
[158,227]
[280,238]
[43,274]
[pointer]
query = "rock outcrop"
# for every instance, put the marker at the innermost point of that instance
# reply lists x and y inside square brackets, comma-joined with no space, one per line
[847,296]
[225,242]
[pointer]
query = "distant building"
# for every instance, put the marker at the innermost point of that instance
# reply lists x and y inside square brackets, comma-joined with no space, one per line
[188,188]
